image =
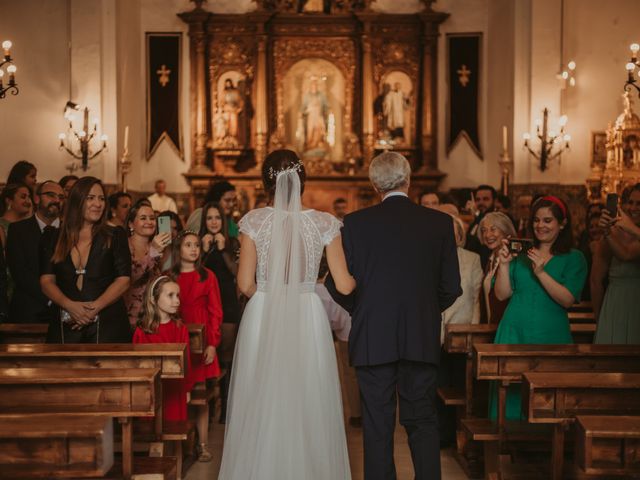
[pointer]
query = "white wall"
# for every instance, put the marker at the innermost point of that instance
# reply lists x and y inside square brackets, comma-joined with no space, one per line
[520,58]
[30,122]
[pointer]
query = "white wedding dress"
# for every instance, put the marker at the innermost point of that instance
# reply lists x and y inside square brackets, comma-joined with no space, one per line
[284,417]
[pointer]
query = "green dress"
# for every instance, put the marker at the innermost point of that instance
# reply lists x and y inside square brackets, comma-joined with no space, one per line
[619,319]
[533,317]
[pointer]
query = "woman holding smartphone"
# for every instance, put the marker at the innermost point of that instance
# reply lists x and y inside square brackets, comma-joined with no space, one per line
[146,255]
[541,283]
[616,258]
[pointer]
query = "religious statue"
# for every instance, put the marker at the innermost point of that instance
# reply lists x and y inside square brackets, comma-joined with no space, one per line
[313,118]
[394,105]
[378,110]
[232,106]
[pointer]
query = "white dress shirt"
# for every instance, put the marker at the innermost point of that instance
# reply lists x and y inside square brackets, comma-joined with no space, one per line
[163,203]
[42,225]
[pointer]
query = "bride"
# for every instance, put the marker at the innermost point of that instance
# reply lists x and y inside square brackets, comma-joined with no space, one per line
[284,418]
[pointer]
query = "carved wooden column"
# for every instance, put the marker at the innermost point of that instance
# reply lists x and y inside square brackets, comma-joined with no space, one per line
[368,129]
[197,19]
[262,123]
[429,136]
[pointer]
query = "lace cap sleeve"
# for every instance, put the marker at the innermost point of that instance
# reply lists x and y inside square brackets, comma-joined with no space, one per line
[329,227]
[252,222]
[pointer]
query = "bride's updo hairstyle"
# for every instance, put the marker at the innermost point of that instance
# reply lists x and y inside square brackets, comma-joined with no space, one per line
[277,161]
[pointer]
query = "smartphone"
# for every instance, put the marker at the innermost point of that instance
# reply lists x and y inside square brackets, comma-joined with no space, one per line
[612,204]
[164,224]
[520,245]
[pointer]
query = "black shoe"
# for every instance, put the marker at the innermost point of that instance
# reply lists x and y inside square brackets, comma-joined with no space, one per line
[355,422]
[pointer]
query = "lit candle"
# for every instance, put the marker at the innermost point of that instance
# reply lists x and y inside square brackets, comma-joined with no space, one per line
[504,138]
[12,74]
[126,139]
[7,48]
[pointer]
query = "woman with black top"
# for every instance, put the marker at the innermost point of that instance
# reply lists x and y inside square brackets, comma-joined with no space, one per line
[219,256]
[85,269]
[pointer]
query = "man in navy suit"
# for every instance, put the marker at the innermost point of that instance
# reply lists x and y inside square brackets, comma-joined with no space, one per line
[404,260]
[29,304]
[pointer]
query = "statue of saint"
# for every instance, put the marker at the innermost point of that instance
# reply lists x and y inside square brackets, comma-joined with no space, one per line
[232,105]
[378,109]
[314,111]
[394,105]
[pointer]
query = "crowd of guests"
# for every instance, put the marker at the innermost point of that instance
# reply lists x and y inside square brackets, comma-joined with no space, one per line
[97,268]
[527,293]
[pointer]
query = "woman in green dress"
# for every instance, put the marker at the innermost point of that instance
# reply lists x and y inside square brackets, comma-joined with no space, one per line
[541,283]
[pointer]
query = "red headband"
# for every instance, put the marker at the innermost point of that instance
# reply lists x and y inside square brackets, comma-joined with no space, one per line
[558,202]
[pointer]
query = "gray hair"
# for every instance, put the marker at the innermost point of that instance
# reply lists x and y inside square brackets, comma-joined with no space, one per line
[389,171]
[500,220]
[460,231]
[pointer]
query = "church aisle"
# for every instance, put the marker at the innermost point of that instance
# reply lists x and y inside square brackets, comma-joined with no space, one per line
[450,469]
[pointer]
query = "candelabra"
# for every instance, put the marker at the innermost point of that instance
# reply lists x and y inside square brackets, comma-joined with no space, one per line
[12,86]
[632,66]
[78,144]
[548,140]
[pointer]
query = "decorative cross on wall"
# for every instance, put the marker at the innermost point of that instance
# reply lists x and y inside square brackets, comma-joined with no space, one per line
[163,75]
[463,75]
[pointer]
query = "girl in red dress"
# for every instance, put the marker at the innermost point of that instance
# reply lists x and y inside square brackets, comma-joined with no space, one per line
[160,323]
[199,303]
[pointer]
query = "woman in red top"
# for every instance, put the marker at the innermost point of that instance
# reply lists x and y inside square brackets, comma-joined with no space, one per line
[199,303]
[160,324]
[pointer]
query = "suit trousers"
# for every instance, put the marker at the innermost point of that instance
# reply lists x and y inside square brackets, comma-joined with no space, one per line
[415,384]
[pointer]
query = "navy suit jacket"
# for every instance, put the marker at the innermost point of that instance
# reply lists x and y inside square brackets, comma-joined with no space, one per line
[29,304]
[404,260]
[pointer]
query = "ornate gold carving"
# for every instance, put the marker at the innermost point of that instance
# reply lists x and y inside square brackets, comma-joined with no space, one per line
[298,6]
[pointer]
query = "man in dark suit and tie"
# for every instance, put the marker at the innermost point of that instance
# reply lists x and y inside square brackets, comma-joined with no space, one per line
[29,304]
[404,260]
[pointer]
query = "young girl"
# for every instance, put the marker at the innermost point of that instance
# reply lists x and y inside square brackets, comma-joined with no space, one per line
[160,323]
[200,303]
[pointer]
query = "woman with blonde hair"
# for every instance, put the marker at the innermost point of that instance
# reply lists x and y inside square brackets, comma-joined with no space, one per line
[493,228]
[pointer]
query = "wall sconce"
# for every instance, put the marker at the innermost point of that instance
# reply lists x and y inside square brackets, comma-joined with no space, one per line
[552,143]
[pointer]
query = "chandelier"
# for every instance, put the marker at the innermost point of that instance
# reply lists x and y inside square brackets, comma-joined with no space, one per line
[11,86]
[552,143]
[632,66]
[81,144]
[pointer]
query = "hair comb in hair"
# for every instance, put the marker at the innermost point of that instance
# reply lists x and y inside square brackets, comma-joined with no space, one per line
[296,167]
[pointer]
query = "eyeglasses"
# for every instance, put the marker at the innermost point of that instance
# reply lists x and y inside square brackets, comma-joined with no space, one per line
[53,195]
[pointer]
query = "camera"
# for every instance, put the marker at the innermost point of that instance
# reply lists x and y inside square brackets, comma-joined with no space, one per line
[520,245]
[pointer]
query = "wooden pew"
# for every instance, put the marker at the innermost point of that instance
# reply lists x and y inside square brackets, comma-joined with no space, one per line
[168,358]
[60,446]
[23,332]
[608,445]
[582,317]
[507,363]
[584,306]
[557,398]
[118,393]
[460,338]
[196,337]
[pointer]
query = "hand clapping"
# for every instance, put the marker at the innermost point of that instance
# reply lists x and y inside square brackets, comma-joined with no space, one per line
[537,261]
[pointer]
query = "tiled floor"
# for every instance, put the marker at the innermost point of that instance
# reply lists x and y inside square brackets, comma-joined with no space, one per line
[450,469]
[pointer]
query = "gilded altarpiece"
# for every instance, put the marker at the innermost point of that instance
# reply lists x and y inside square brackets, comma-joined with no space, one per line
[337,85]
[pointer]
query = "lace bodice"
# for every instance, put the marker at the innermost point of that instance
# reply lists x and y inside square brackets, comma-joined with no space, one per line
[318,230]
